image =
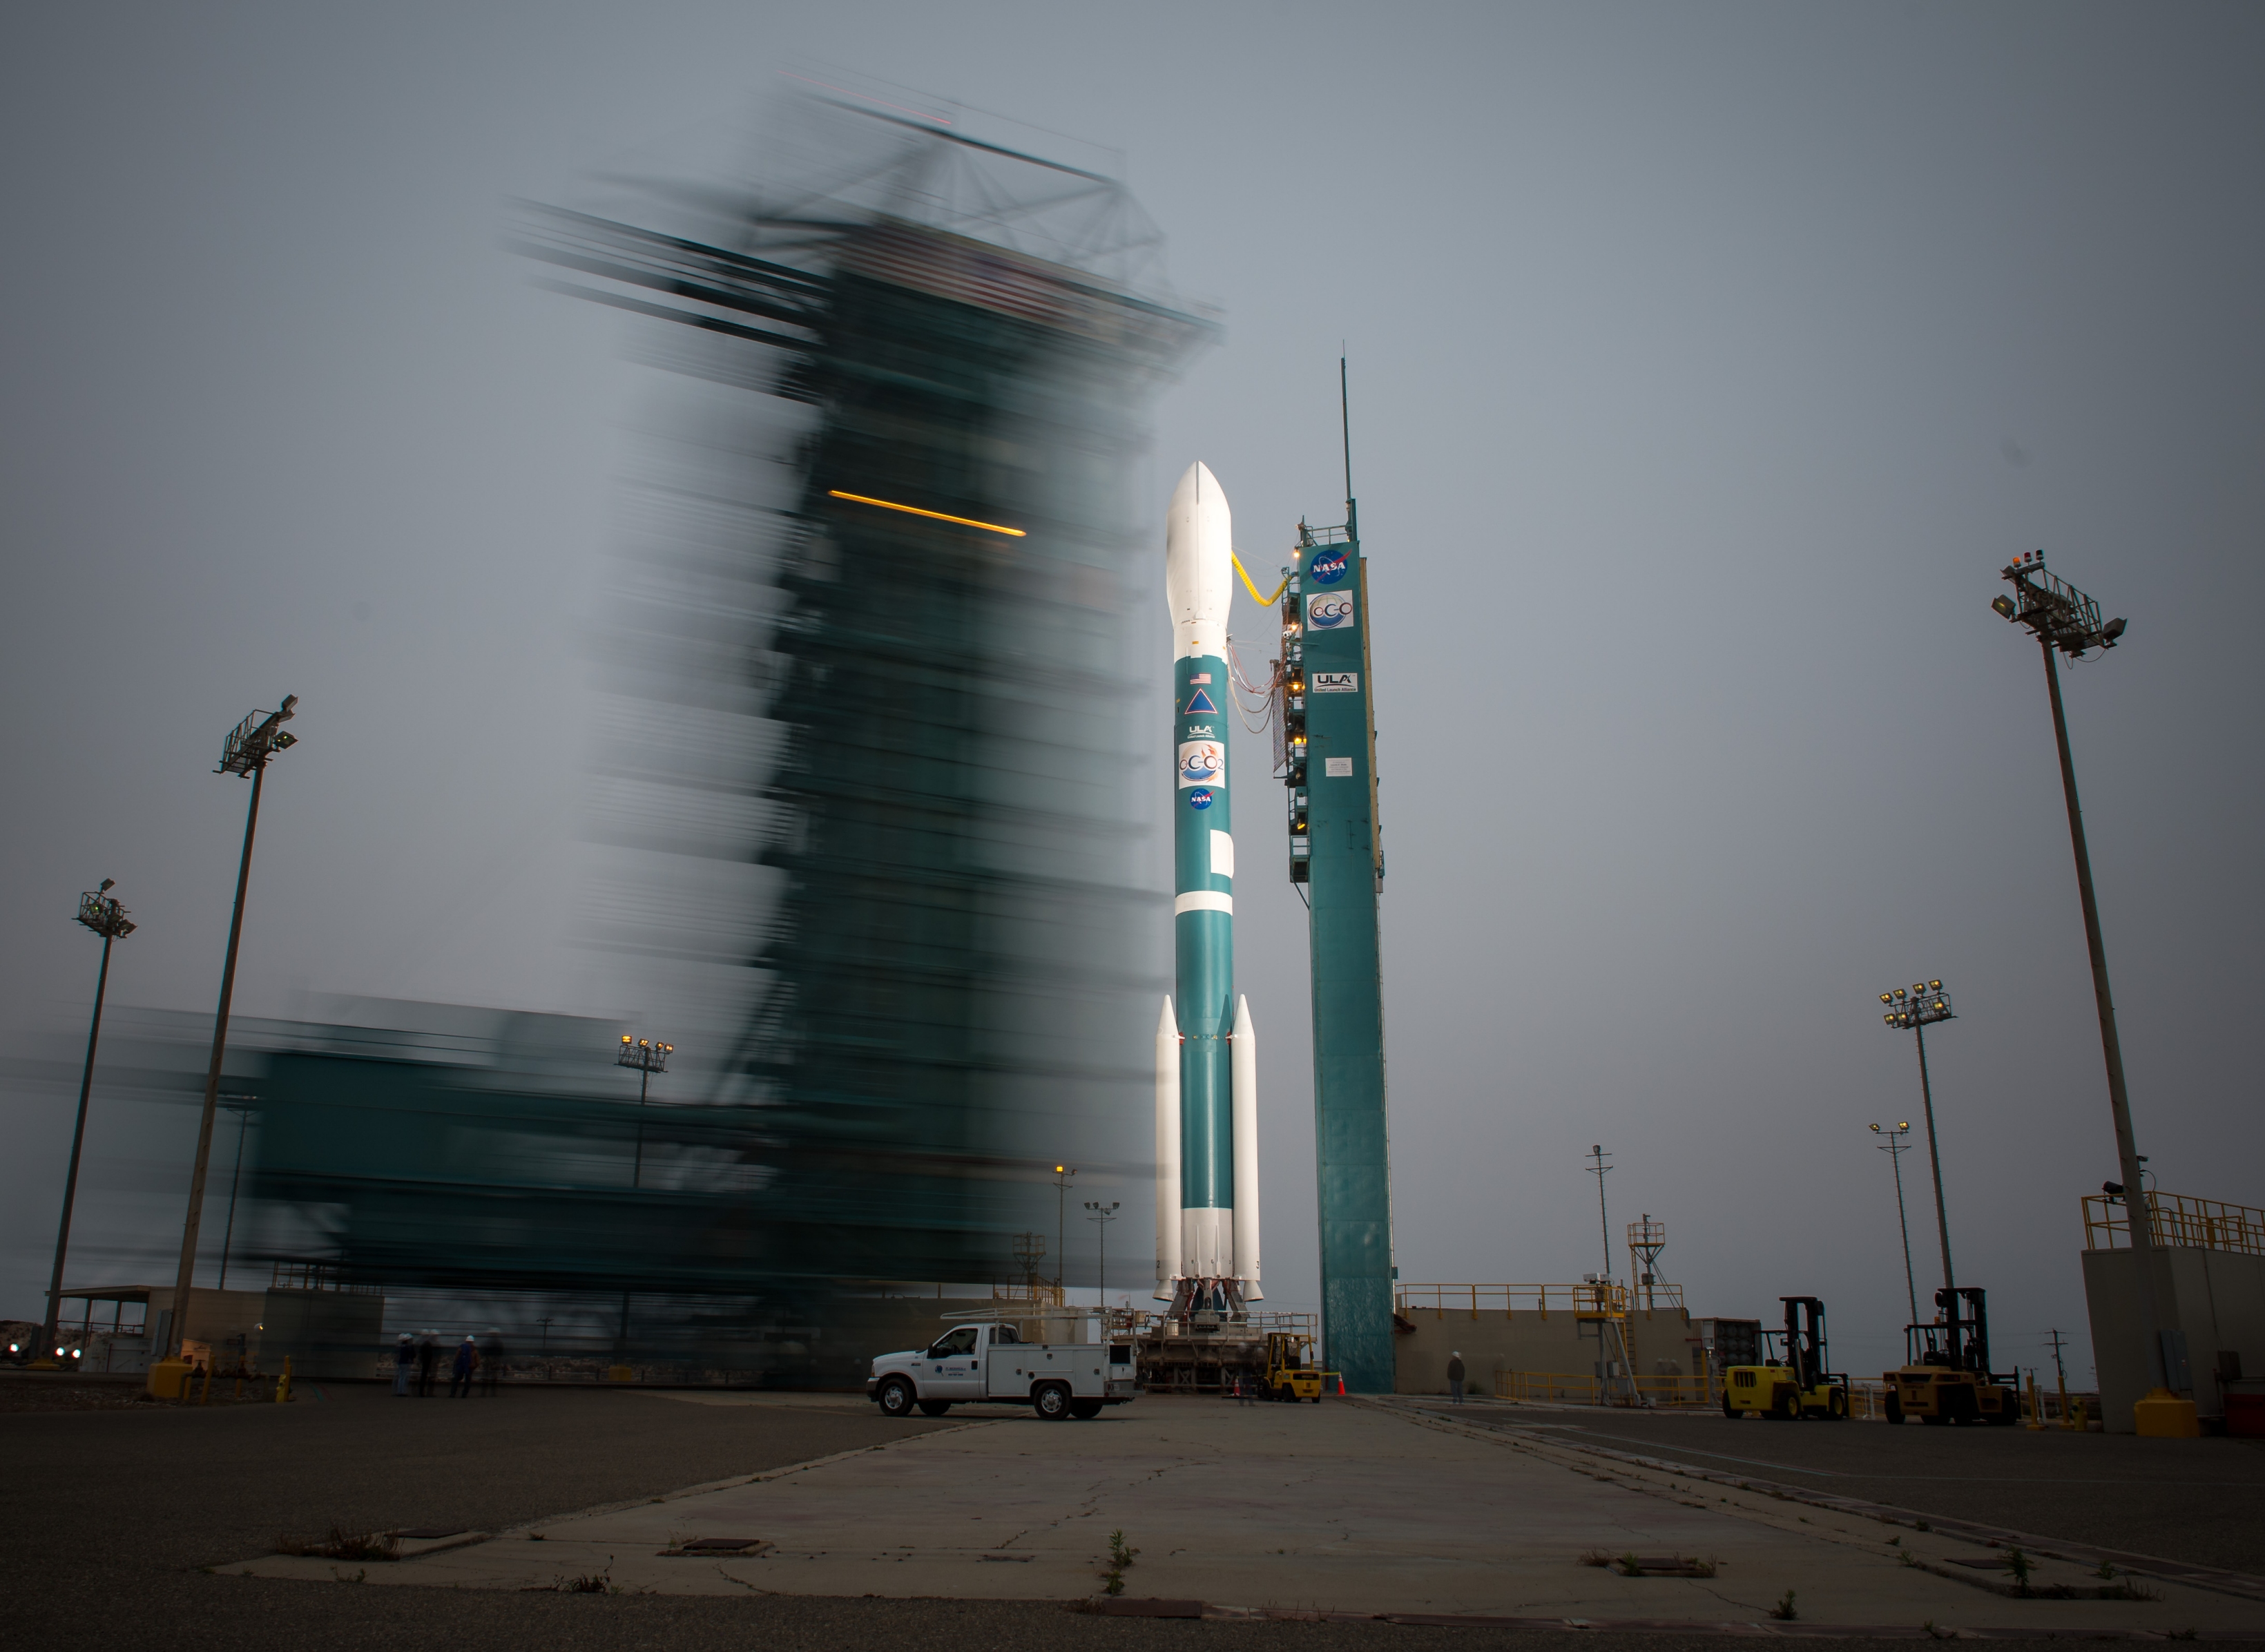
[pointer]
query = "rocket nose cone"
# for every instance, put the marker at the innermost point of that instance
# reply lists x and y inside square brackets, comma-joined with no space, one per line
[1198,541]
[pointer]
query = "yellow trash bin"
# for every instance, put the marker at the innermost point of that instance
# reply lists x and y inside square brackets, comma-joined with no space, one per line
[167,1376]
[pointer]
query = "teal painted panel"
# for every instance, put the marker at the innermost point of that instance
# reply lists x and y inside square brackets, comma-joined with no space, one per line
[1352,1159]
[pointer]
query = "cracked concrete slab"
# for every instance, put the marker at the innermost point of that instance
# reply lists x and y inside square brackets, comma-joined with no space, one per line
[1334,1508]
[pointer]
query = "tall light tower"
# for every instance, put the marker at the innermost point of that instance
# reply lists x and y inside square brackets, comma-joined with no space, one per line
[2065,619]
[251,744]
[101,914]
[1646,1240]
[1916,1009]
[1600,1168]
[1062,1174]
[1896,1144]
[648,1056]
[1103,1215]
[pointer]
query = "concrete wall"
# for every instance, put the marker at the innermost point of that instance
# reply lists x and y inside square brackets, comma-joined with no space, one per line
[1665,1344]
[2216,1297]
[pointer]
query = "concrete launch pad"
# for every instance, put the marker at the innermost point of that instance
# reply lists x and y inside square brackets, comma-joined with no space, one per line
[1365,1507]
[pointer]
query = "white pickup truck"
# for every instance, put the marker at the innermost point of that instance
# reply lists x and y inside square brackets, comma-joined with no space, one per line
[992,1363]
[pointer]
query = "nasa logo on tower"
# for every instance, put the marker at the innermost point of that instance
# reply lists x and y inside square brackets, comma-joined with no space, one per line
[1330,566]
[1327,613]
[1199,798]
[1203,763]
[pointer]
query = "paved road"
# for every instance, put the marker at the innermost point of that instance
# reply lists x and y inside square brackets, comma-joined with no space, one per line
[2199,1501]
[106,1514]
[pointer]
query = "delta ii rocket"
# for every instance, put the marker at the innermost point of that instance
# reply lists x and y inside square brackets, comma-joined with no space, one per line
[1206,1053]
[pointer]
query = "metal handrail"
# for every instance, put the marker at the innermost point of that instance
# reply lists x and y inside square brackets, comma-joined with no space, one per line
[2176,1219]
[1585,1298]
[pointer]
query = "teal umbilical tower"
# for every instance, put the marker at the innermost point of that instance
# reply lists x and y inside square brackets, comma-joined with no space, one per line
[1206,1051]
[1337,851]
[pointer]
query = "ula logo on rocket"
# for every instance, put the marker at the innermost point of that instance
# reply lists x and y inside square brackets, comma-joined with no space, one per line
[1203,763]
[1199,798]
[1328,566]
[1325,613]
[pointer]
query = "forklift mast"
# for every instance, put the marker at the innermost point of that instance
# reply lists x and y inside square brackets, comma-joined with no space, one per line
[1804,1340]
[1960,1336]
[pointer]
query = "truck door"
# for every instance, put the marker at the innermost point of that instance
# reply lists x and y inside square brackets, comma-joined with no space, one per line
[953,1368]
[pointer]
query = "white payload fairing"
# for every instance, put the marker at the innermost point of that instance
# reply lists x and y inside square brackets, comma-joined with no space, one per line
[1206,1052]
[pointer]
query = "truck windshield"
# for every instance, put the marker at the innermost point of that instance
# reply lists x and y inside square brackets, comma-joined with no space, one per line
[959,1341]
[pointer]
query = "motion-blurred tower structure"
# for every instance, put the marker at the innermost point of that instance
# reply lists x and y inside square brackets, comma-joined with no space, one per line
[975,332]
[872,641]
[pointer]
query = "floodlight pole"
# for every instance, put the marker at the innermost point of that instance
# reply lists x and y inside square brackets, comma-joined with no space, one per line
[2066,619]
[1934,1164]
[1599,1169]
[99,913]
[1103,1215]
[248,751]
[1895,1147]
[2141,1221]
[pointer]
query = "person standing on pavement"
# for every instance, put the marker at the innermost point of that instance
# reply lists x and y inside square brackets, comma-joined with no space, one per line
[428,1356]
[1455,1376]
[405,1361]
[460,1374]
[491,1362]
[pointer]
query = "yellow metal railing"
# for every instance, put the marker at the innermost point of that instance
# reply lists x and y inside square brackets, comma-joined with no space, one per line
[1567,1387]
[2177,1219]
[1442,1299]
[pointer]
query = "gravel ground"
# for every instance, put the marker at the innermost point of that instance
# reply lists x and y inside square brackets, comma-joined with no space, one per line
[109,1513]
[2198,1501]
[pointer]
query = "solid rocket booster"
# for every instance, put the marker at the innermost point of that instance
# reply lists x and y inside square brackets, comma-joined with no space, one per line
[1207,1102]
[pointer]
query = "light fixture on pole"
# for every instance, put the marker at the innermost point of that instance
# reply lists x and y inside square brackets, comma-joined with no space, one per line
[648,1056]
[1062,1173]
[2064,620]
[1916,1009]
[1895,1144]
[251,744]
[1103,1215]
[102,914]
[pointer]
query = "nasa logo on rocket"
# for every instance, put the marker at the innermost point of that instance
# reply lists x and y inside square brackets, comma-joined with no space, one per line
[1199,798]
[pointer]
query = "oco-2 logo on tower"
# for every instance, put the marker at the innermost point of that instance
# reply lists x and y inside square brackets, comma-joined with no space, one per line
[1326,611]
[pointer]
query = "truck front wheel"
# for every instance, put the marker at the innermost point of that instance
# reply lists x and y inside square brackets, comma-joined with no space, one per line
[895,1398]
[1050,1401]
[935,1407]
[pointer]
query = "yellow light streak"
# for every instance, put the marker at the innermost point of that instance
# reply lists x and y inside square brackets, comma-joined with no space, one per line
[1263,602]
[939,516]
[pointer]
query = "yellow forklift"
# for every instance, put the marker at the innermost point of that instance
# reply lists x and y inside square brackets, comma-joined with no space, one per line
[1291,1373]
[1792,1381]
[1945,1377]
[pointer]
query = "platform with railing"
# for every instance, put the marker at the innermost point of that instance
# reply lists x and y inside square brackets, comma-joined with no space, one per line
[1597,1297]
[2175,1219]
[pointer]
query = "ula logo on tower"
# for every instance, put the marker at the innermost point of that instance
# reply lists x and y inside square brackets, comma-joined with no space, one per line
[1325,613]
[1328,566]
[1203,763]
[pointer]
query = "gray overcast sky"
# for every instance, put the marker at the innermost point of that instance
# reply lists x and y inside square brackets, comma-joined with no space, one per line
[1708,360]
